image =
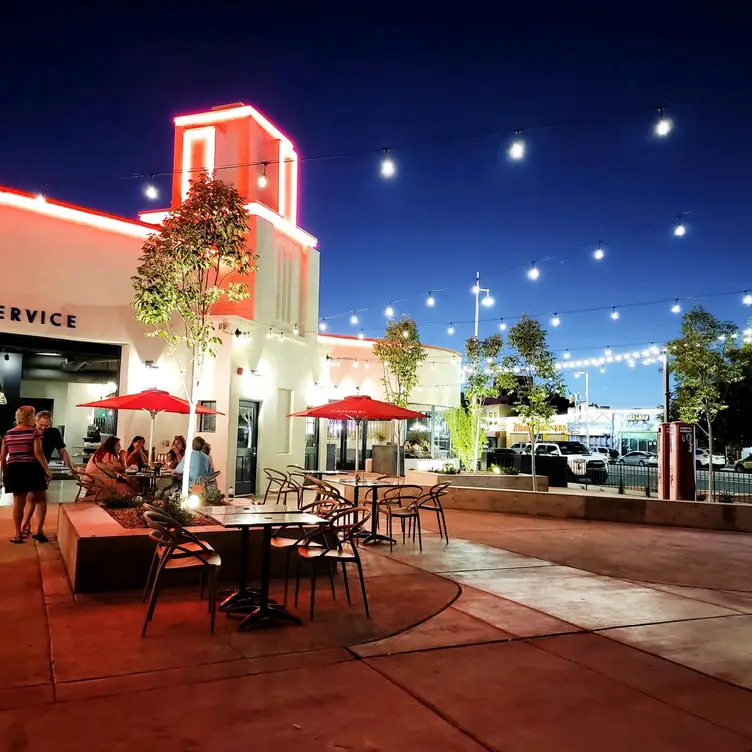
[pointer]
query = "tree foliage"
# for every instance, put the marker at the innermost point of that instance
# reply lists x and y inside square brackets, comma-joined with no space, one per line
[530,375]
[466,443]
[704,363]
[400,353]
[198,258]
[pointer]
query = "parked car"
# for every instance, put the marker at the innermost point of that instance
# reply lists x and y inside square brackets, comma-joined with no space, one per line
[581,463]
[601,451]
[520,447]
[702,459]
[642,459]
[744,465]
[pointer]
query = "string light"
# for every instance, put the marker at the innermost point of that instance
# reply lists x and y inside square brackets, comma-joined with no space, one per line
[430,300]
[354,318]
[603,370]
[676,308]
[322,325]
[366,366]
[663,124]
[355,363]
[567,355]
[296,330]
[517,148]
[361,335]
[608,352]
[451,329]
[614,313]
[263,180]
[533,272]
[388,168]
[150,190]
[555,321]
[503,325]
[680,229]
[270,333]
[747,299]
[598,253]
[389,311]
[281,336]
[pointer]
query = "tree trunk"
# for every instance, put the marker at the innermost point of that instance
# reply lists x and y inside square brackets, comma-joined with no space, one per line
[191,432]
[476,433]
[532,459]
[711,485]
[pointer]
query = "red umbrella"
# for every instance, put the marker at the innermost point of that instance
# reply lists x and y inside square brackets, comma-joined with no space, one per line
[357,408]
[153,401]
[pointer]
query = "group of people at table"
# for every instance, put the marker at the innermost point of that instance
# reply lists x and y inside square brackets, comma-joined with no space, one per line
[28,447]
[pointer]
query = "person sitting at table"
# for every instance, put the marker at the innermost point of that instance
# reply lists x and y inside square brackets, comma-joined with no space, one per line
[107,465]
[136,454]
[207,452]
[199,465]
[178,448]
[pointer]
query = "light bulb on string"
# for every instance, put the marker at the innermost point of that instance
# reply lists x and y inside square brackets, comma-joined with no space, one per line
[322,325]
[366,366]
[361,335]
[296,330]
[676,308]
[555,321]
[263,180]
[567,355]
[270,333]
[603,370]
[451,329]
[533,272]
[281,336]
[502,325]
[598,253]
[430,300]
[747,299]
[355,363]
[662,125]
[150,190]
[487,301]
[517,148]
[389,311]
[614,313]
[354,318]
[388,168]
[680,229]
[608,352]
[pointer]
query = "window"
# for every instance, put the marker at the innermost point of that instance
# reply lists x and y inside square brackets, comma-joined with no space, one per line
[284,408]
[207,423]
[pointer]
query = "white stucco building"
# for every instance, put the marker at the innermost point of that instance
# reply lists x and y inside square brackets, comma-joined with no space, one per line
[68,334]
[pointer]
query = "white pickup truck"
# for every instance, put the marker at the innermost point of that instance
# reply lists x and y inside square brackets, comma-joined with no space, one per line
[581,462]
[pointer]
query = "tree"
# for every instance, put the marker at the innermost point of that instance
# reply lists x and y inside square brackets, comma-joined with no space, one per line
[530,374]
[400,354]
[733,428]
[703,362]
[467,437]
[198,258]
[481,372]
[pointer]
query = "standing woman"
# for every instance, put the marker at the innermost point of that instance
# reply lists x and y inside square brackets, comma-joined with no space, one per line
[26,473]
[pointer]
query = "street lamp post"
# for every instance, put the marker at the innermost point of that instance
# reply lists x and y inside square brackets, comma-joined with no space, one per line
[487,301]
[586,372]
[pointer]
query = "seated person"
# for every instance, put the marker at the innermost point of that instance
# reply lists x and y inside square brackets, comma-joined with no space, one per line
[207,452]
[178,450]
[106,466]
[136,454]
[199,465]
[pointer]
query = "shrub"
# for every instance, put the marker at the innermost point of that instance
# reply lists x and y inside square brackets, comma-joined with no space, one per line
[504,470]
[446,469]
[173,507]
[121,500]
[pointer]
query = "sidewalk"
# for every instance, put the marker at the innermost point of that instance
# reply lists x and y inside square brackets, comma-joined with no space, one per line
[523,634]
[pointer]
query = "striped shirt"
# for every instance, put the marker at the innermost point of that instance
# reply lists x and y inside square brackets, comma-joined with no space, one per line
[19,444]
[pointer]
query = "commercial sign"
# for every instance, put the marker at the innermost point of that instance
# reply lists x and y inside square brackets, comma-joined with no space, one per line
[36,316]
[519,428]
[638,417]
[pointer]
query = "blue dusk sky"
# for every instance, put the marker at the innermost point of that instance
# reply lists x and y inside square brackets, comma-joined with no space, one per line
[88,99]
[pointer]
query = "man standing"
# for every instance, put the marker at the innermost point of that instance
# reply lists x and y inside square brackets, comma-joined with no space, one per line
[51,439]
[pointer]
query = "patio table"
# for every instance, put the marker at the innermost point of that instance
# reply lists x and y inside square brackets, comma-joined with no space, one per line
[262,610]
[373,536]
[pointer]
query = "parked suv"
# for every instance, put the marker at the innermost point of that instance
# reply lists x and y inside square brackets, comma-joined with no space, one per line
[581,463]
[702,459]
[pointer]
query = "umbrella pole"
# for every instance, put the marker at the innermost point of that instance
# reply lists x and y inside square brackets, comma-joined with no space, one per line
[357,446]
[151,434]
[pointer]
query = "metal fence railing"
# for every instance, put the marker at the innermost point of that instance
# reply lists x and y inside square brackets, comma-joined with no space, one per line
[728,486]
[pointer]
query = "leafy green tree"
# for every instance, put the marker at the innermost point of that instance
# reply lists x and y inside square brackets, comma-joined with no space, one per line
[468,437]
[529,373]
[400,353]
[198,258]
[481,373]
[703,362]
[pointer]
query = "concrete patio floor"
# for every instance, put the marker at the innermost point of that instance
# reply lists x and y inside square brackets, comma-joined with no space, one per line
[521,634]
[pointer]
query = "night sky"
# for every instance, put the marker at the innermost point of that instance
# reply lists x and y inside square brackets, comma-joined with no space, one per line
[88,99]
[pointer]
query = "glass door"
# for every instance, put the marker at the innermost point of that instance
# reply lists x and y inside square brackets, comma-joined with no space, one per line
[247,448]
[311,444]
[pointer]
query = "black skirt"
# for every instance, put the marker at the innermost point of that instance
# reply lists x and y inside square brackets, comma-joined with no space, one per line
[23,477]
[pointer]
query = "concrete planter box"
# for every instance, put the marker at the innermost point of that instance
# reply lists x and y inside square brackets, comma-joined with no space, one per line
[641,511]
[100,555]
[478,480]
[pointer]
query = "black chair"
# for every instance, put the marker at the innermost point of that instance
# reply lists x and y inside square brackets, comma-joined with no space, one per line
[335,543]
[168,536]
[431,502]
